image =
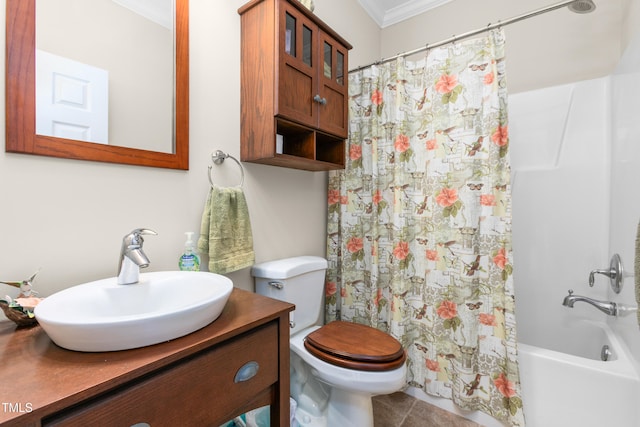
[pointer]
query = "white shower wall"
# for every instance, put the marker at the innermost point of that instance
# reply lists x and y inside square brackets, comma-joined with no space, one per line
[625,183]
[576,171]
[560,169]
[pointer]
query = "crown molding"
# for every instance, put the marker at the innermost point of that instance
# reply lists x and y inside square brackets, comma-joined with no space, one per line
[405,10]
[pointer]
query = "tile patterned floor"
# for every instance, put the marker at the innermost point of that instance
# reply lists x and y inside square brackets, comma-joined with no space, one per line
[401,410]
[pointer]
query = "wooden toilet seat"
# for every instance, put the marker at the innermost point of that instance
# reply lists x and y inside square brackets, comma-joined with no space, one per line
[355,346]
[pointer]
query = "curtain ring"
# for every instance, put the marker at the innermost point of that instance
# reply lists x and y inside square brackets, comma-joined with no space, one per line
[427,50]
[454,39]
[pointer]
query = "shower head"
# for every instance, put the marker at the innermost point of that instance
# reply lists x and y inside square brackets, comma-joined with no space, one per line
[582,6]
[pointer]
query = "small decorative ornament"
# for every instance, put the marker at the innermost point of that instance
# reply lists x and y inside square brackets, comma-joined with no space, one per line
[20,309]
[308,4]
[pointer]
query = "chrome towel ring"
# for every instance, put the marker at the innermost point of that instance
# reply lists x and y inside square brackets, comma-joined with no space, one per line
[218,158]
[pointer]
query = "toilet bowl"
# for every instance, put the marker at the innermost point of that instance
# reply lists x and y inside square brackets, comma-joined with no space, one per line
[337,368]
[346,394]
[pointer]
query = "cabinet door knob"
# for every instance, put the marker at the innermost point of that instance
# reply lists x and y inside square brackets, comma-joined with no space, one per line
[246,372]
[319,100]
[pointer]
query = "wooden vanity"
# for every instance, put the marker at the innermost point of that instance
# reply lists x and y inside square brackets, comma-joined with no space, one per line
[189,381]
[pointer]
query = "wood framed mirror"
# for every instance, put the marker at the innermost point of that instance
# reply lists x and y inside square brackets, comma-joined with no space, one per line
[21,136]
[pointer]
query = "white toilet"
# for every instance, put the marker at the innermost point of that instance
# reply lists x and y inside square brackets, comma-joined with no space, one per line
[336,368]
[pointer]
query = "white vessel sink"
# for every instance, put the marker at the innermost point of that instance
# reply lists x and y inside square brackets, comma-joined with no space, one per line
[105,316]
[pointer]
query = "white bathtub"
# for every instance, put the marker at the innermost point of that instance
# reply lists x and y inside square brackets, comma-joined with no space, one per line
[566,384]
[564,381]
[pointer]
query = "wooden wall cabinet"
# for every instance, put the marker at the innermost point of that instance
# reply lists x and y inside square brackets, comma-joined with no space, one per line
[294,94]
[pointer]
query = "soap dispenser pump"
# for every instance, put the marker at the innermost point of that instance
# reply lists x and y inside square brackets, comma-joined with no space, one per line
[189,260]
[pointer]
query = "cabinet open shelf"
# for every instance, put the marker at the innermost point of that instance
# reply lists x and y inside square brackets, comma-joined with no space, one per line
[300,143]
[330,149]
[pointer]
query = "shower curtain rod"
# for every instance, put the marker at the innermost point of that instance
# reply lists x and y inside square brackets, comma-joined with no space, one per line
[468,34]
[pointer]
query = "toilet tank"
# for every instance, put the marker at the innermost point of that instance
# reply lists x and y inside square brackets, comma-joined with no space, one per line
[298,280]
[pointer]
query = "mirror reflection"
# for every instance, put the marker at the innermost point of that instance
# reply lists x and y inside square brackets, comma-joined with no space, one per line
[133,60]
[104,72]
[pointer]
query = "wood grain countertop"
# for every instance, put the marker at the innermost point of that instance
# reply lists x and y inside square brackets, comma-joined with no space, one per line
[39,378]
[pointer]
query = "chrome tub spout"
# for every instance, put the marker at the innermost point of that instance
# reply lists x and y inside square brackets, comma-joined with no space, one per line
[608,307]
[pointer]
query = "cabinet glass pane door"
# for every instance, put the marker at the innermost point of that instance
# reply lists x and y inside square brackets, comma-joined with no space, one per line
[290,36]
[306,46]
[340,68]
[327,60]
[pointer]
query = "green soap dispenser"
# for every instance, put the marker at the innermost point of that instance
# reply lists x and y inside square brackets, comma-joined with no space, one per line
[189,260]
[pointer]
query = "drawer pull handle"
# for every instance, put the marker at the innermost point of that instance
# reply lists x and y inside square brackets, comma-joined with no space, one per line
[246,372]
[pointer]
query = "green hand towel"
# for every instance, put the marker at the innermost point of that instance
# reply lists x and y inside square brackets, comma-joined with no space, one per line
[225,231]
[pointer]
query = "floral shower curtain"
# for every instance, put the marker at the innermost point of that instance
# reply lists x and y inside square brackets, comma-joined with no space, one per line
[419,222]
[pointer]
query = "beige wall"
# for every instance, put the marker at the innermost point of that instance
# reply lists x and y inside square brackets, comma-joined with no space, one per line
[68,217]
[550,49]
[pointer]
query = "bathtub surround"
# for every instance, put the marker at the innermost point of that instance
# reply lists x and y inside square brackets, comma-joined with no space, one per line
[560,141]
[625,174]
[581,139]
[636,270]
[419,222]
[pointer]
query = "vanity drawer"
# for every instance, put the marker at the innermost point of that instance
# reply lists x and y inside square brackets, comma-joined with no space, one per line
[201,391]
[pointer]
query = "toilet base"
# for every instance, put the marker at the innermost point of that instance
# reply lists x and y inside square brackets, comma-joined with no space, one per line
[344,409]
[320,405]
[347,409]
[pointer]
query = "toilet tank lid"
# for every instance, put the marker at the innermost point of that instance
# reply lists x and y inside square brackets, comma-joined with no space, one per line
[288,267]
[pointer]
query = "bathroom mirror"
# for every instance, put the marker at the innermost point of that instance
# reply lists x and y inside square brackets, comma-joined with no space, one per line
[21,134]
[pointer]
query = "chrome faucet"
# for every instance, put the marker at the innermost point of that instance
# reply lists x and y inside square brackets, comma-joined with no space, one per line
[614,273]
[132,258]
[610,308]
